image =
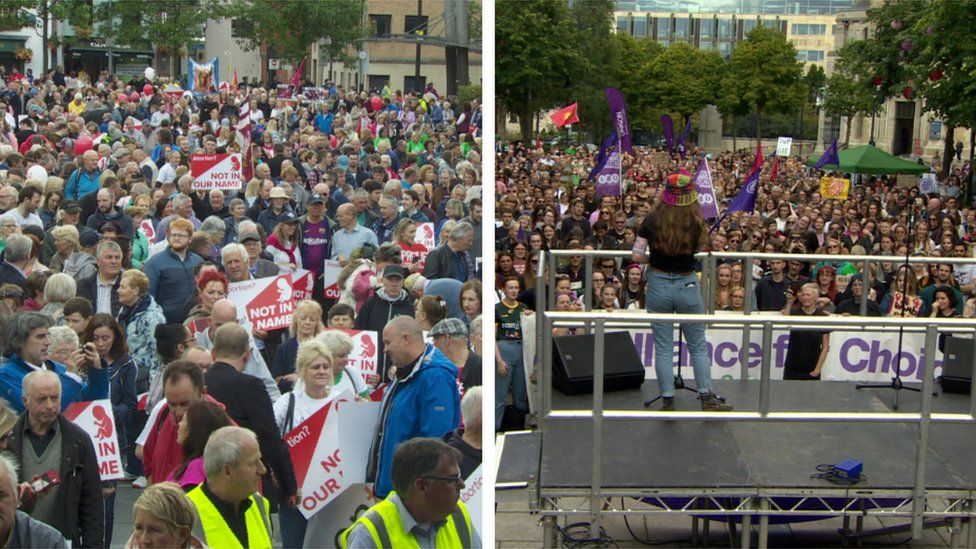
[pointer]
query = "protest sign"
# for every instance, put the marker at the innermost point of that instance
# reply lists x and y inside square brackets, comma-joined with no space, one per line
[927,184]
[906,180]
[216,171]
[148,230]
[471,496]
[330,278]
[901,305]
[303,284]
[326,526]
[659,159]
[267,303]
[330,450]
[95,418]
[425,235]
[783,146]
[363,356]
[834,188]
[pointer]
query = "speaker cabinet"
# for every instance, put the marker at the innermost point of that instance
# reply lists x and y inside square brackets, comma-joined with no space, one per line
[573,358]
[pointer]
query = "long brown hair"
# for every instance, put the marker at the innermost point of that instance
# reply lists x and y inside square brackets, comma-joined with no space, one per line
[677,230]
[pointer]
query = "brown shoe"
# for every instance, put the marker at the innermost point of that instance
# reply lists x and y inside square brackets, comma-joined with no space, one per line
[711,403]
[667,404]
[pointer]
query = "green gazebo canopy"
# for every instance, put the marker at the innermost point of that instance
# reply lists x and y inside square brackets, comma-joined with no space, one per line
[870,160]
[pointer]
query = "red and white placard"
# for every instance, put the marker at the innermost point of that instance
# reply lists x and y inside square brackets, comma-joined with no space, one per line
[95,418]
[216,171]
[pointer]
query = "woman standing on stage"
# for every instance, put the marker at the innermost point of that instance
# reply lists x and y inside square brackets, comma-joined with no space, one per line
[668,239]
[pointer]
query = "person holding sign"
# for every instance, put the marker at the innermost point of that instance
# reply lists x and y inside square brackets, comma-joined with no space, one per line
[425,510]
[44,440]
[312,392]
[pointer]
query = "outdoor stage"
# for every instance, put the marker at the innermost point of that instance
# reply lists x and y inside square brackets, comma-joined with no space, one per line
[753,471]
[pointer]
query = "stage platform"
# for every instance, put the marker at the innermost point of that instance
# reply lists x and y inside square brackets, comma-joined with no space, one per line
[744,469]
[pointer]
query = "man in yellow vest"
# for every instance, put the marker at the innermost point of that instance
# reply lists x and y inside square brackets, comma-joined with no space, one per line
[232,513]
[423,511]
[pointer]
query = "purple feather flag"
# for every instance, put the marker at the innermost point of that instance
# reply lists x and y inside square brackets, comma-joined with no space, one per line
[601,157]
[618,114]
[829,157]
[668,126]
[683,143]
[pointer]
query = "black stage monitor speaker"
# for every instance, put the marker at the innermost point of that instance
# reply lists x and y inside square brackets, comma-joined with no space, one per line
[957,365]
[573,363]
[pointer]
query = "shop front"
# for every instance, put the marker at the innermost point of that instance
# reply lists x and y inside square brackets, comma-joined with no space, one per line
[95,56]
[12,53]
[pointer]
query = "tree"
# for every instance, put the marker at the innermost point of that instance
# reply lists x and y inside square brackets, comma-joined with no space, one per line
[593,23]
[16,14]
[292,26]
[167,24]
[847,96]
[537,61]
[633,56]
[731,103]
[683,80]
[765,73]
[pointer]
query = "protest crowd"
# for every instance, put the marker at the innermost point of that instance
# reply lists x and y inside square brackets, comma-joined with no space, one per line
[219,266]
[547,199]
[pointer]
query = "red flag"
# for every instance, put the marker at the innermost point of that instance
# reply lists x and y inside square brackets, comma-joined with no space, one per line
[565,116]
[775,173]
[759,157]
[297,77]
[233,82]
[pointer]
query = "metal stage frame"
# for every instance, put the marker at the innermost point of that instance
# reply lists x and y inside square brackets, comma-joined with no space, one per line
[917,500]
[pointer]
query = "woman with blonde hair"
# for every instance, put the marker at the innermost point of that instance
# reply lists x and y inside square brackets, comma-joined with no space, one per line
[343,376]
[313,391]
[58,289]
[284,243]
[668,239]
[306,323]
[163,517]
[430,310]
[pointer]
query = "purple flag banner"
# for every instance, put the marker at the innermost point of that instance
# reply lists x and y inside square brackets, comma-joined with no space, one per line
[618,113]
[683,142]
[706,192]
[601,157]
[608,181]
[745,200]
[668,126]
[829,157]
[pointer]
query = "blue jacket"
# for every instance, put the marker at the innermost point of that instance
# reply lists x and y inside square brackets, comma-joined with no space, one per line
[425,404]
[72,390]
[171,282]
[81,183]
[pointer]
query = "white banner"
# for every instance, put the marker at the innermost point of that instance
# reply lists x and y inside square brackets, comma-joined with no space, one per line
[330,450]
[783,146]
[330,278]
[267,303]
[95,418]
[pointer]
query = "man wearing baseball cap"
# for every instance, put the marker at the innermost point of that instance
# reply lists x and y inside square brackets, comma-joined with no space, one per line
[451,337]
[388,302]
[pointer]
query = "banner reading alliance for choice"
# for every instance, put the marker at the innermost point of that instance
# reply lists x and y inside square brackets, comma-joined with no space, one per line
[852,356]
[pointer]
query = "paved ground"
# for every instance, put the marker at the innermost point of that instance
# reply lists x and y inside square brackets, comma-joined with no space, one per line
[516,528]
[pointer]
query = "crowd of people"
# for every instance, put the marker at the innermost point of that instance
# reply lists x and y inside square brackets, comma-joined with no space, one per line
[117,278]
[546,200]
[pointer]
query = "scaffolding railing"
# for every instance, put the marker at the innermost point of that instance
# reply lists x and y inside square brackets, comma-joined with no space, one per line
[600,322]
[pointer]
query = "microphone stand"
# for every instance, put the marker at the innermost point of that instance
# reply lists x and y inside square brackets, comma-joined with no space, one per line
[679,381]
[896,383]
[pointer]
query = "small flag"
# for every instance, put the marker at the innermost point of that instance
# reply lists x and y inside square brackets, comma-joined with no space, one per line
[758,162]
[682,143]
[565,116]
[775,173]
[601,157]
[244,131]
[706,191]
[829,157]
[296,78]
[233,82]
[745,200]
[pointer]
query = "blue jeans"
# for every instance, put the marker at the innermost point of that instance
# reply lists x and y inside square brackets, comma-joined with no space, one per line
[293,525]
[674,293]
[511,352]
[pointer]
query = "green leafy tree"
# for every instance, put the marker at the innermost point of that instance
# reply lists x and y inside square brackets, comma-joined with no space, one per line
[847,96]
[731,103]
[537,61]
[633,55]
[167,24]
[15,14]
[292,26]
[683,80]
[765,73]
[593,21]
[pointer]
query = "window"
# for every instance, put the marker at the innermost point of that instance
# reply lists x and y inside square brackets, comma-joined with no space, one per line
[415,24]
[706,28]
[810,55]
[663,28]
[809,29]
[381,25]
[748,25]
[640,26]
[724,29]
[725,49]
[417,87]
[377,81]
[623,25]
[680,28]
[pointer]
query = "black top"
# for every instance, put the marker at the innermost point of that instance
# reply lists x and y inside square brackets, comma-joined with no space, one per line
[248,404]
[232,514]
[471,373]
[771,295]
[804,349]
[659,261]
